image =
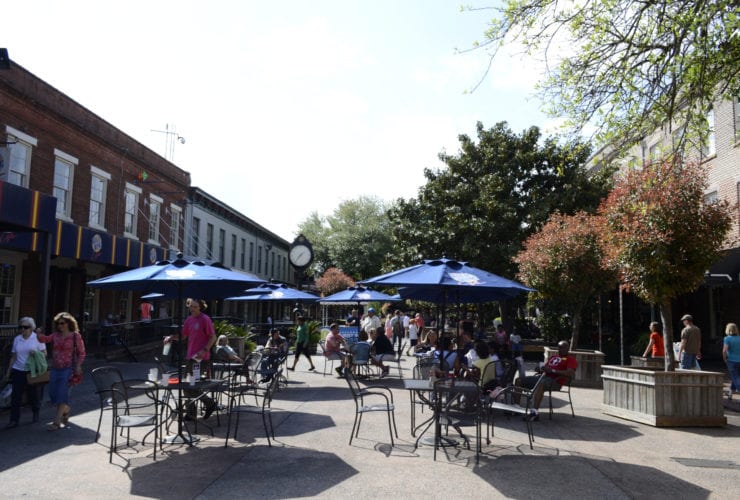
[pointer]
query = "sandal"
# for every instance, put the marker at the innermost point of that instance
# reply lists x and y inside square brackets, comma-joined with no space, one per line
[65,418]
[53,427]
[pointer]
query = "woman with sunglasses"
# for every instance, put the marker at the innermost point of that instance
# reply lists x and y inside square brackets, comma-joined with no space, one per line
[67,357]
[23,345]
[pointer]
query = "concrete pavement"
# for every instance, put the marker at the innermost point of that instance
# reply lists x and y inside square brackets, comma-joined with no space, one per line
[591,455]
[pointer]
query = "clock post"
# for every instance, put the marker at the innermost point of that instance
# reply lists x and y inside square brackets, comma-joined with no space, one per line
[300,256]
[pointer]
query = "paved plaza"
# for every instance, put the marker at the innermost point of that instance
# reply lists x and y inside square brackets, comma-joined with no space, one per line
[590,456]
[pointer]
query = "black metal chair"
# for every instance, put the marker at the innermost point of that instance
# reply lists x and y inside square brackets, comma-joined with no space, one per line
[565,388]
[421,371]
[104,377]
[359,394]
[238,406]
[127,416]
[504,400]
[457,403]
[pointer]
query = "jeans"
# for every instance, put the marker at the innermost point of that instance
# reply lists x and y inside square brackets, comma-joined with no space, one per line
[734,368]
[688,361]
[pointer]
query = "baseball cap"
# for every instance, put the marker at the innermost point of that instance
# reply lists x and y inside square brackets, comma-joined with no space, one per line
[687,317]
[371,310]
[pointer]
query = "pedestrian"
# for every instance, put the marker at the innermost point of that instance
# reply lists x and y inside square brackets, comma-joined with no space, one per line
[397,331]
[689,352]
[301,344]
[413,336]
[24,345]
[66,365]
[198,329]
[731,356]
[655,347]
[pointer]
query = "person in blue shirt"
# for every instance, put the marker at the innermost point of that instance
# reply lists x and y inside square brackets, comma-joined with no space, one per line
[731,356]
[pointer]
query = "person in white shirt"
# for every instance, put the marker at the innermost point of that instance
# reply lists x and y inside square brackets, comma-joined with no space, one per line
[23,345]
[371,323]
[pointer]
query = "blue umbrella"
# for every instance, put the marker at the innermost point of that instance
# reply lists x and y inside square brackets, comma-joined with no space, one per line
[357,295]
[442,279]
[274,292]
[181,279]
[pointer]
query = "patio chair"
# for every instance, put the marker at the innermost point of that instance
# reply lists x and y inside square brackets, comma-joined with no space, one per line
[359,394]
[566,389]
[360,358]
[104,377]
[422,399]
[127,416]
[263,408]
[498,401]
[458,402]
[330,357]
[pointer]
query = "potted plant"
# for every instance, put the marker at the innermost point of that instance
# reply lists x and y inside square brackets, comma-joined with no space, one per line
[240,337]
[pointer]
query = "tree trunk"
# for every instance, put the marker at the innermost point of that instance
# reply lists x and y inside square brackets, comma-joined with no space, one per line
[576,329]
[665,317]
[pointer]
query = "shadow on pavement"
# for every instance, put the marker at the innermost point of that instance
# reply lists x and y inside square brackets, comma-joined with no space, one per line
[255,472]
[514,476]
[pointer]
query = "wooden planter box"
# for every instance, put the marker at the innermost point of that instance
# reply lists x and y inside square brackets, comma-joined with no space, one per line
[640,362]
[588,372]
[682,398]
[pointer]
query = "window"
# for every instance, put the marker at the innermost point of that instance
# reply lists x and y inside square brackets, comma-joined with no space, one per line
[710,197]
[155,206]
[259,259]
[131,209]
[709,147]
[221,246]
[655,153]
[209,241]
[195,241]
[233,250]
[175,216]
[98,194]
[251,256]
[15,159]
[7,292]
[244,251]
[63,180]
[272,264]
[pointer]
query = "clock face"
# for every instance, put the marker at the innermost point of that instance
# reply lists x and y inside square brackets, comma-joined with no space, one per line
[300,255]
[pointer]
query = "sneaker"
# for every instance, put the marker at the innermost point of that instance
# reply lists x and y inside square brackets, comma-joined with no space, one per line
[209,411]
[291,369]
[312,368]
[338,369]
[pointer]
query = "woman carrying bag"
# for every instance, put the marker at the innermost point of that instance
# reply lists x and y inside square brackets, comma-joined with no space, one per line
[24,345]
[66,366]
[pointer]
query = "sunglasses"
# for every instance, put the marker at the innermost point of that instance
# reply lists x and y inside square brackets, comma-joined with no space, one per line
[25,327]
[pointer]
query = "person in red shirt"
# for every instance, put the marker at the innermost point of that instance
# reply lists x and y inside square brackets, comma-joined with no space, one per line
[655,347]
[558,370]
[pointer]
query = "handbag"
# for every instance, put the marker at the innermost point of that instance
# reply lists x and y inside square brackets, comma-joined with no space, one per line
[41,378]
[74,378]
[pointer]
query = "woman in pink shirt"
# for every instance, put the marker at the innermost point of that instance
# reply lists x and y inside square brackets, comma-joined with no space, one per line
[67,357]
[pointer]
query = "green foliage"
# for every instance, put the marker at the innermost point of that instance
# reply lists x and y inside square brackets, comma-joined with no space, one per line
[626,67]
[223,327]
[355,238]
[554,324]
[492,196]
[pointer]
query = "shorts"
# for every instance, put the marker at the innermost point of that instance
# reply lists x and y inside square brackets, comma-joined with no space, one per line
[301,349]
[59,385]
[413,342]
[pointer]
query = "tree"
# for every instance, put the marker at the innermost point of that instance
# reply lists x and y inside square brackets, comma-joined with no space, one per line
[563,261]
[356,238]
[492,196]
[660,235]
[332,281]
[627,66]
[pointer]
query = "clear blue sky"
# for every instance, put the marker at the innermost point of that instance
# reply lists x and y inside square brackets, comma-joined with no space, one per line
[286,107]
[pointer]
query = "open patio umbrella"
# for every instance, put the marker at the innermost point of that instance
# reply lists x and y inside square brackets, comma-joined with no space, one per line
[356,295]
[274,291]
[180,278]
[443,281]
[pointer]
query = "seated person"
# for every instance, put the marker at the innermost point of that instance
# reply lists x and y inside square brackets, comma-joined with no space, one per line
[224,352]
[466,353]
[447,357]
[429,342]
[488,375]
[275,351]
[381,347]
[336,345]
[559,369]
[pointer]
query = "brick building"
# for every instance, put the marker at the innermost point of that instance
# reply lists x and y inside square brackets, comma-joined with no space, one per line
[79,199]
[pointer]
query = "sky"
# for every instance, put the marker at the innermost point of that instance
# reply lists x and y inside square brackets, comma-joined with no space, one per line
[286,108]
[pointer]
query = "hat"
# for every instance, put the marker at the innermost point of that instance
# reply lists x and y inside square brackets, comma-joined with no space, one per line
[687,317]
[371,310]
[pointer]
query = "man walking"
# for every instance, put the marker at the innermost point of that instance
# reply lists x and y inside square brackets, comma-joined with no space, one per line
[690,350]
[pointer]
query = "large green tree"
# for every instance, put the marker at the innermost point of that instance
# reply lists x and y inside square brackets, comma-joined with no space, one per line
[493,194]
[355,238]
[627,66]
[661,236]
[564,263]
